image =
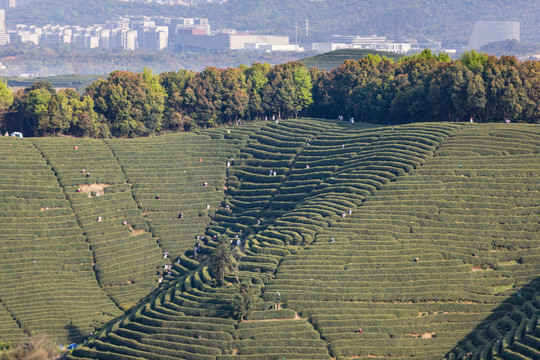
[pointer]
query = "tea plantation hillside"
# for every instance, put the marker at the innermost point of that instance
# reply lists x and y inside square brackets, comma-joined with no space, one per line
[332,59]
[77,246]
[358,241]
[419,235]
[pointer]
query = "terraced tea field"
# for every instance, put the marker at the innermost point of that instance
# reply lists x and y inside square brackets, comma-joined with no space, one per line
[333,59]
[424,236]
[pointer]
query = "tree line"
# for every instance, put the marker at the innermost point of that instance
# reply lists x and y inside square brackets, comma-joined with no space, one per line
[422,87]
[127,104]
[428,87]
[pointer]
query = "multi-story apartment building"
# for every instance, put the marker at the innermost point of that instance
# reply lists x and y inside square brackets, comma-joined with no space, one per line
[128,33]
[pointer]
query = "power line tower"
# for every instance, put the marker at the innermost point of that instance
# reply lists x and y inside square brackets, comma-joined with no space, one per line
[307,27]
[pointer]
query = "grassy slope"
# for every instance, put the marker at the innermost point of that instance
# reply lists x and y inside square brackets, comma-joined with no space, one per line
[462,199]
[333,59]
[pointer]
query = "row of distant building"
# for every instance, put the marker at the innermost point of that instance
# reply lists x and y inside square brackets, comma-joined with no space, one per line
[483,33]
[176,2]
[128,33]
[157,33]
[5,4]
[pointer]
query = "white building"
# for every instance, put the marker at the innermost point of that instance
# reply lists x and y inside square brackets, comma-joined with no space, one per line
[126,39]
[239,41]
[2,21]
[330,46]
[400,48]
[86,40]
[104,36]
[229,41]
[376,44]
[288,47]
[154,39]
[360,42]
[4,38]
[24,36]
[485,32]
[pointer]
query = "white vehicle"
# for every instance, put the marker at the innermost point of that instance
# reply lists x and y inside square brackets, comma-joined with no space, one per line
[17,134]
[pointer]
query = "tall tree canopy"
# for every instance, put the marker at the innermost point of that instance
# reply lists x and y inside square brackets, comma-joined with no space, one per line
[422,87]
[132,104]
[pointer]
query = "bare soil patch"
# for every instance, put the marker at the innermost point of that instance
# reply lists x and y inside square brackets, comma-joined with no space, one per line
[136,232]
[427,335]
[99,189]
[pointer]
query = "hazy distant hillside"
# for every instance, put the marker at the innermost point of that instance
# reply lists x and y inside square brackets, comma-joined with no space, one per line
[333,59]
[433,19]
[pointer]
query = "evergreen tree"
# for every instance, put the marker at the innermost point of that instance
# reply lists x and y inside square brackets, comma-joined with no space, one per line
[222,260]
[244,300]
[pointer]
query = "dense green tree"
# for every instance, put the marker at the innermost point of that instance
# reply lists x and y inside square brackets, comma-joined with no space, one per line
[530,74]
[59,115]
[438,96]
[235,95]
[256,80]
[179,100]
[131,105]
[288,90]
[427,54]
[207,98]
[43,85]
[86,120]
[244,300]
[222,260]
[424,87]
[271,93]
[6,100]
[302,87]
[476,95]
[36,107]
[119,98]
[474,60]
[154,104]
